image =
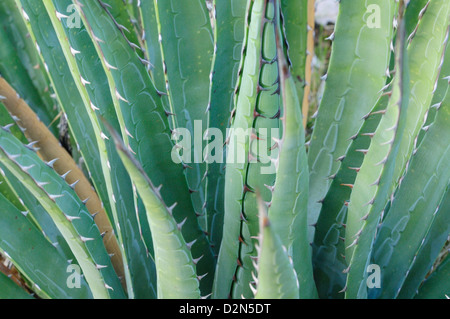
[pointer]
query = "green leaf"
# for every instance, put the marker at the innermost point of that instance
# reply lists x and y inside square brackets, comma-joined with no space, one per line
[32,254]
[186,41]
[228,38]
[414,206]
[68,213]
[436,286]
[86,66]
[289,206]
[424,69]
[140,104]
[41,30]
[10,290]
[374,181]
[249,152]
[175,267]
[277,278]
[430,249]
[295,28]
[21,66]
[328,246]
[356,75]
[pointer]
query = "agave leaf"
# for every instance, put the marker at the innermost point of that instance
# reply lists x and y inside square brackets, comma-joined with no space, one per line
[43,34]
[21,66]
[430,249]
[374,180]
[298,32]
[150,38]
[31,254]
[49,149]
[328,246]
[140,104]
[248,157]
[10,290]
[356,74]
[442,87]
[139,268]
[417,97]
[7,122]
[187,49]
[433,31]
[414,12]
[277,278]
[289,206]
[21,198]
[228,37]
[68,213]
[36,214]
[436,286]
[123,15]
[175,267]
[414,206]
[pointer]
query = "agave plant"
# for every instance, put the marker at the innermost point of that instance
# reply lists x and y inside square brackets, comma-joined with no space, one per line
[161,149]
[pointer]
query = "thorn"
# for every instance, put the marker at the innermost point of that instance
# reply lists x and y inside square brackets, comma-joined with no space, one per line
[362,151]
[31,147]
[368,134]
[109,66]
[201,277]
[343,290]
[120,97]
[171,208]
[180,225]
[383,161]
[355,242]
[108,287]
[65,174]
[84,239]
[53,197]
[93,107]
[331,177]
[50,164]
[26,168]
[60,16]
[73,51]
[346,270]
[103,136]
[331,37]
[7,128]
[247,189]
[100,266]
[190,244]
[253,289]
[340,158]
[83,81]
[196,260]
[71,218]
[97,39]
